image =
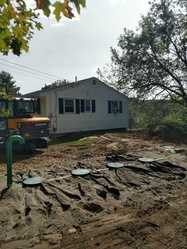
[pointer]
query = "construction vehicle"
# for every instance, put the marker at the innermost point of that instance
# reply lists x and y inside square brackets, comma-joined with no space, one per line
[18,117]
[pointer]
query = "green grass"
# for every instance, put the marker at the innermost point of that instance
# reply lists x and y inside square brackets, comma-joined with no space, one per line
[83,138]
[86,142]
[72,141]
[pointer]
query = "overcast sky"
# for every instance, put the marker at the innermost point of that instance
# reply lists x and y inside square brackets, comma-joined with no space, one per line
[73,48]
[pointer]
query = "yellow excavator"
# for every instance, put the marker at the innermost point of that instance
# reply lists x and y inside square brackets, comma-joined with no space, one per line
[18,117]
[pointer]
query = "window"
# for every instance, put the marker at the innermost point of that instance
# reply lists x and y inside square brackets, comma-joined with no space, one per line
[25,106]
[87,105]
[11,108]
[76,105]
[114,106]
[3,124]
[66,105]
[69,105]
[37,106]
[2,106]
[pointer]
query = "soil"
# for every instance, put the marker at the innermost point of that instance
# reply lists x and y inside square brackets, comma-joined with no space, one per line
[138,205]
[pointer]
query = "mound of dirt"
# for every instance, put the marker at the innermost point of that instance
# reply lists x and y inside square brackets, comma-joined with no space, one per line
[138,205]
[169,133]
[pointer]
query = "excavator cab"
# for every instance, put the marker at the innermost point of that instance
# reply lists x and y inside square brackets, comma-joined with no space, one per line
[19,117]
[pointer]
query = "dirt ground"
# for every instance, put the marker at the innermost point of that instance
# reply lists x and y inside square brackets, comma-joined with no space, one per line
[138,205]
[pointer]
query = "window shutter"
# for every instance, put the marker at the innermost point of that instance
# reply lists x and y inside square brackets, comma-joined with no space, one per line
[82,105]
[93,105]
[109,107]
[38,106]
[61,105]
[120,107]
[77,106]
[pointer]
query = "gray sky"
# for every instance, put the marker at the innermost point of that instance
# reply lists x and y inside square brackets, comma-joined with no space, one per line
[73,47]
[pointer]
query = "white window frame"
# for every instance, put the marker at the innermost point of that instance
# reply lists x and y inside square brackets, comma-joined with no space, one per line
[86,106]
[114,107]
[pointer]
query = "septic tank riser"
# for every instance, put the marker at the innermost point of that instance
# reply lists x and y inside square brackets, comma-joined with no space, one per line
[9,156]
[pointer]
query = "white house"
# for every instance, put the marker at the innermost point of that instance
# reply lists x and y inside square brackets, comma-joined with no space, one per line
[85,105]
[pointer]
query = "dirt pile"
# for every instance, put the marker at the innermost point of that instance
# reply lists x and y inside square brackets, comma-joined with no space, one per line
[138,205]
[168,133]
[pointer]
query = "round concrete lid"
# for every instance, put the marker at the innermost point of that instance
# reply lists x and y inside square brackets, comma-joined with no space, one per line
[80,172]
[32,181]
[146,160]
[115,165]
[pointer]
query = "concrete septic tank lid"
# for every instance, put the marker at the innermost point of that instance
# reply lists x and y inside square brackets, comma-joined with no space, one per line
[115,165]
[80,172]
[146,160]
[32,181]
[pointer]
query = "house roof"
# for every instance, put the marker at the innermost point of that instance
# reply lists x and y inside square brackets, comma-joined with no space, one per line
[43,92]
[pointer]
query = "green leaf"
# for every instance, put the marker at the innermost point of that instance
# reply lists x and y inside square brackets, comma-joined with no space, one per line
[18,23]
[2,44]
[63,8]
[44,5]
[6,32]
[83,3]
[38,25]
[78,3]
[57,10]
[2,2]
[16,46]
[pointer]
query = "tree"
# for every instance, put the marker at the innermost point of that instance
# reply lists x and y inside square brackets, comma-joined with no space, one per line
[7,86]
[151,62]
[149,113]
[55,84]
[18,22]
